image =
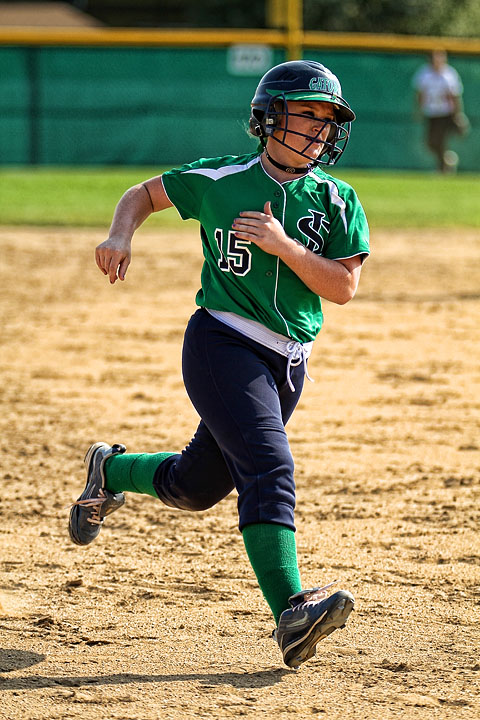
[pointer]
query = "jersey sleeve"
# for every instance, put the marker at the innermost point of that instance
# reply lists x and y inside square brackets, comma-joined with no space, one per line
[185,188]
[349,232]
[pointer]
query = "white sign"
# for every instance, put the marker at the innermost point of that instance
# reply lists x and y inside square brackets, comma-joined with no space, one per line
[249,59]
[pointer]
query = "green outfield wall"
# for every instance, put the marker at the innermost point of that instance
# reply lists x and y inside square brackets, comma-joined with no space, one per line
[81,105]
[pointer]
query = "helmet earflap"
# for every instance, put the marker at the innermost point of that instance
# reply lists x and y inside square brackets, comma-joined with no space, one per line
[263,122]
[255,127]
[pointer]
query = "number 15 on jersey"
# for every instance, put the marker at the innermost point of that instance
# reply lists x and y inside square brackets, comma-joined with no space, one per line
[235,257]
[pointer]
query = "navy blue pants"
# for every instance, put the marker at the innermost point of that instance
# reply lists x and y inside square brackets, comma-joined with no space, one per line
[239,388]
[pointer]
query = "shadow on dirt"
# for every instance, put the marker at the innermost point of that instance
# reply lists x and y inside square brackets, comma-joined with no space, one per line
[11,659]
[264,678]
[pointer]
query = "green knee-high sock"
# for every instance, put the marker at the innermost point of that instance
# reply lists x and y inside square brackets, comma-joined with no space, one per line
[272,552]
[133,472]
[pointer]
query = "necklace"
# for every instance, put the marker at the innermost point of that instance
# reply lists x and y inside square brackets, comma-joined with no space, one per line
[289,169]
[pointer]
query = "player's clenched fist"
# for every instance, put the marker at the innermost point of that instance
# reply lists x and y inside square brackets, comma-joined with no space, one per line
[113,257]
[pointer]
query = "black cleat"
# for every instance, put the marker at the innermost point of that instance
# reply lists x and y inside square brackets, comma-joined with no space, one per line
[96,502]
[310,619]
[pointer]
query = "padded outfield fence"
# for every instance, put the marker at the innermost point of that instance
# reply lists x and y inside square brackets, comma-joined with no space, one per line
[137,97]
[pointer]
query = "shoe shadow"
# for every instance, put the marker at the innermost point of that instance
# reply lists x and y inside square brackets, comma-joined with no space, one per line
[263,678]
[11,659]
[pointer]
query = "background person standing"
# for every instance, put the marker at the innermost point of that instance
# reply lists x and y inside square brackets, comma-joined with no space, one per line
[439,92]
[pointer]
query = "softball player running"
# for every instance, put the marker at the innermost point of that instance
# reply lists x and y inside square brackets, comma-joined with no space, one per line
[278,234]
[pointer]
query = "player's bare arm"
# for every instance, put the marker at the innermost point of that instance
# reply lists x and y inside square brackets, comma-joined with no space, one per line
[334,280]
[113,256]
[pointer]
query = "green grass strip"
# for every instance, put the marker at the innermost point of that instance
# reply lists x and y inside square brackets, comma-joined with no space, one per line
[86,197]
[399,199]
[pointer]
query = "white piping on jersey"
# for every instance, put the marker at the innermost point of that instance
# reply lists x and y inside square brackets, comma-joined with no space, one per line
[335,197]
[275,296]
[364,253]
[218,173]
[294,351]
[278,259]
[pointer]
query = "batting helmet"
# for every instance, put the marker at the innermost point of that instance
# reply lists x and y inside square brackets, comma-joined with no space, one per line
[300,80]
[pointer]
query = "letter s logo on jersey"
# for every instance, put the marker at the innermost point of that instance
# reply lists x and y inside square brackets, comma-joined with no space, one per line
[311,226]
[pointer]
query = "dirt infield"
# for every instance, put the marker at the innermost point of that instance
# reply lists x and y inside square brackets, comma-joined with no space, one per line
[161,618]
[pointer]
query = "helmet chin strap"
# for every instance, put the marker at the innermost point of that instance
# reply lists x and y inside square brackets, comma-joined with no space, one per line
[288,168]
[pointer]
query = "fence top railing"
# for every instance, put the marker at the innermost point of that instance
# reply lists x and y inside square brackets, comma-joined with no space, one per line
[222,37]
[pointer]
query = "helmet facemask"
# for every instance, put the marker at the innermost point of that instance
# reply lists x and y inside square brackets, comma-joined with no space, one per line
[267,124]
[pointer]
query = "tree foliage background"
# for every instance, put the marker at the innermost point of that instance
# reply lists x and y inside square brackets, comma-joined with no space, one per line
[412,17]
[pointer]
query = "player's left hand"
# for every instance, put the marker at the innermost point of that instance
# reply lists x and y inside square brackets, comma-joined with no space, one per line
[263,229]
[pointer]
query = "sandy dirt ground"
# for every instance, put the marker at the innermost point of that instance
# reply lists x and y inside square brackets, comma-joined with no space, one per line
[161,617]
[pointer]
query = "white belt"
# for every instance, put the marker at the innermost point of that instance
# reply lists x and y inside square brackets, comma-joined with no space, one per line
[294,351]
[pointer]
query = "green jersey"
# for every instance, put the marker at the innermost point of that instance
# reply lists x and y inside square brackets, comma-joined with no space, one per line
[322,213]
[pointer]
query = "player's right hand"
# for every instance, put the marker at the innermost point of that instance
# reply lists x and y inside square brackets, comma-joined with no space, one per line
[113,257]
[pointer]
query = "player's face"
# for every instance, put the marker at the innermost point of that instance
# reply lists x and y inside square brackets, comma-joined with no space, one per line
[307,127]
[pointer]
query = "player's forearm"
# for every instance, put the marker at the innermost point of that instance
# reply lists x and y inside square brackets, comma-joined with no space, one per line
[133,208]
[329,279]
[113,256]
